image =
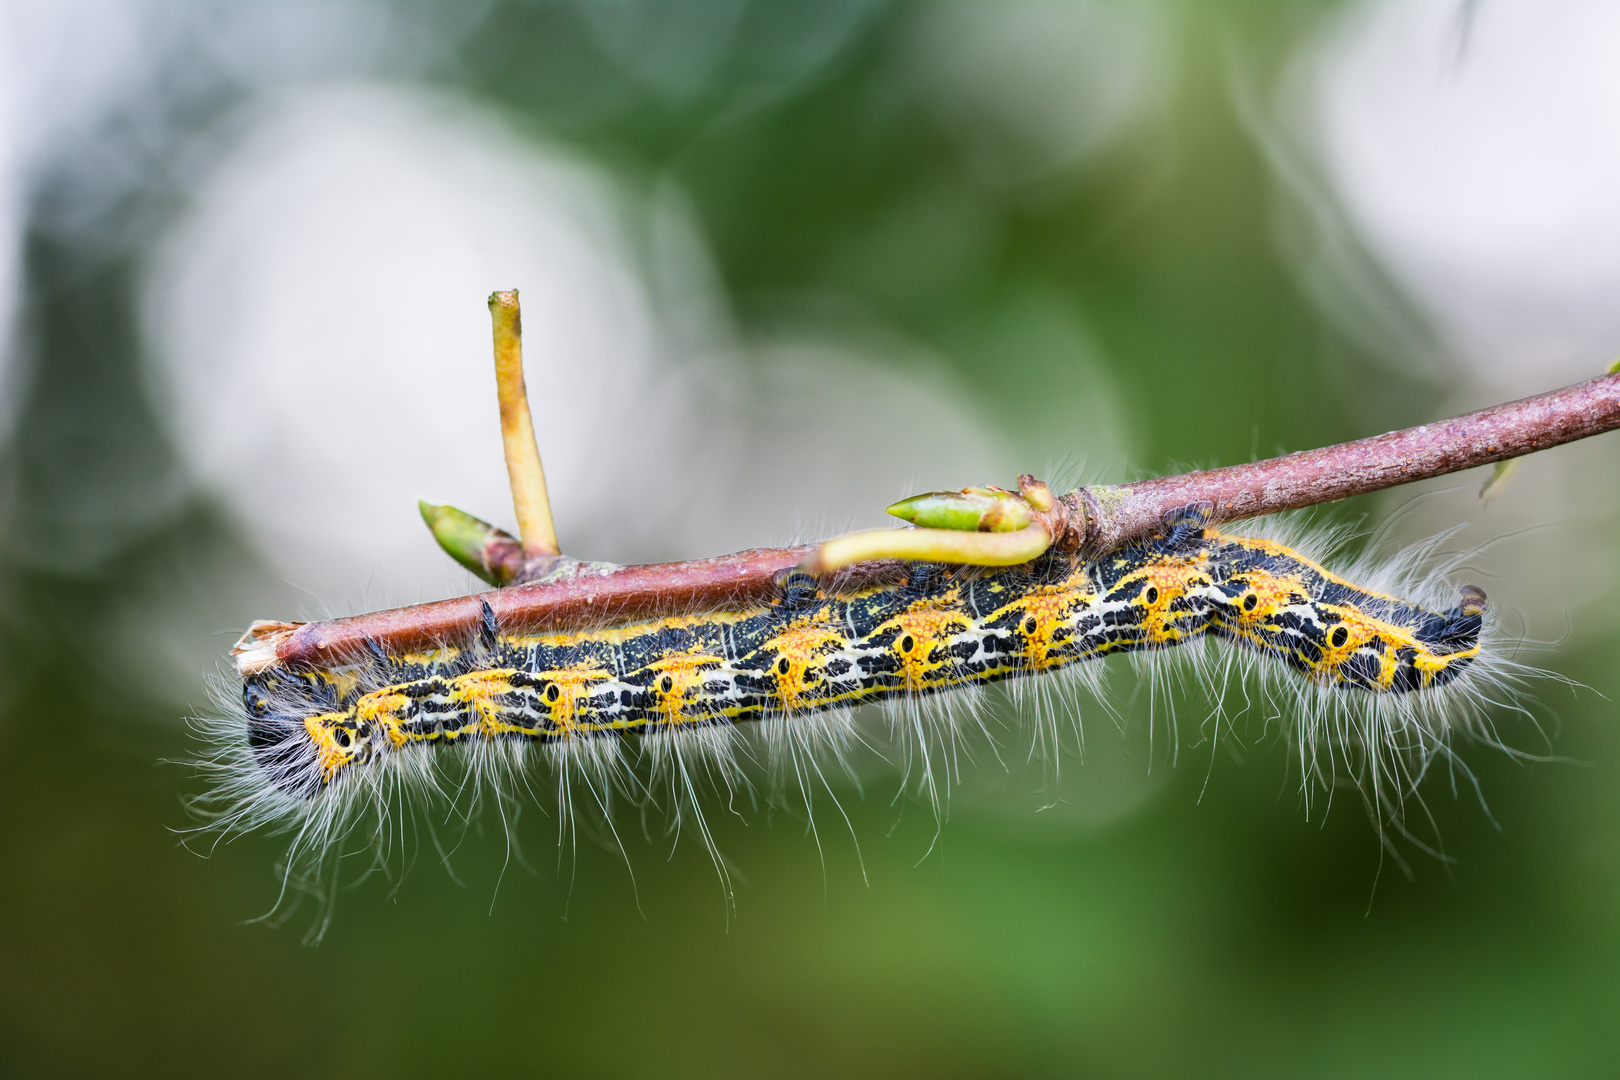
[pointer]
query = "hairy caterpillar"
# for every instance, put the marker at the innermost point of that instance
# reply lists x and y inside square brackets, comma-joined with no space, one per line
[311,747]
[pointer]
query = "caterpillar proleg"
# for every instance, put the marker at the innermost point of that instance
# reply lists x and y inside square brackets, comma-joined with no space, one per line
[1377,684]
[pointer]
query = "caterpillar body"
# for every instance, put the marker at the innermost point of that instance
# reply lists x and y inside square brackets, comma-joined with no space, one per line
[1372,672]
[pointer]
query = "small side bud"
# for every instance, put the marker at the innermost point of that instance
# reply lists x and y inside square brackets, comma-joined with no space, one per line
[1036,493]
[473,543]
[968,510]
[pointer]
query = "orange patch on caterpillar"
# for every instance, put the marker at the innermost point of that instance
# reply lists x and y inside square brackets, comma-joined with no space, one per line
[384,708]
[1042,613]
[1432,664]
[330,754]
[1166,583]
[479,691]
[920,630]
[564,688]
[1275,593]
[801,652]
[675,678]
[1355,630]
[1284,553]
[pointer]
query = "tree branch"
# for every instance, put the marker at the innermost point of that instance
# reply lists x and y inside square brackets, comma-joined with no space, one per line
[1093,520]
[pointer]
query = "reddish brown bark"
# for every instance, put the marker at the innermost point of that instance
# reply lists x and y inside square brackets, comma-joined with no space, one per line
[1310,477]
[591,598]
[1096,519]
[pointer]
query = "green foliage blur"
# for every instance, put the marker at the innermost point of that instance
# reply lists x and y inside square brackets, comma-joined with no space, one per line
[1214,929]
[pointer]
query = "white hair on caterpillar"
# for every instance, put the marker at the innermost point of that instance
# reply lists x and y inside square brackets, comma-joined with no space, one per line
[262,776]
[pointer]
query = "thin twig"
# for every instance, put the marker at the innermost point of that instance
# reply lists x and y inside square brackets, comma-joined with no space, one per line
[529,500]
[1093,520]
[1337,472]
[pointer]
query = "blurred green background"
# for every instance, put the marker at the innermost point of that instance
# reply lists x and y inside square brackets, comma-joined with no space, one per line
[1177,917]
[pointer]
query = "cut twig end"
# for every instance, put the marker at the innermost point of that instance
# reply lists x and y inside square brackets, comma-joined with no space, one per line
[504,302]
[258,648]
